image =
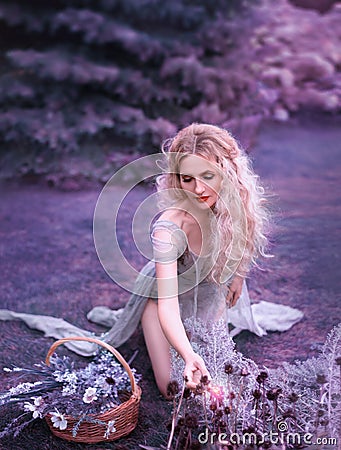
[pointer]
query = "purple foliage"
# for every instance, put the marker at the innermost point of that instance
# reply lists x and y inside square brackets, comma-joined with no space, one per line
[98,29]
[62,66]
[130,71]
[14,14]
[14,89]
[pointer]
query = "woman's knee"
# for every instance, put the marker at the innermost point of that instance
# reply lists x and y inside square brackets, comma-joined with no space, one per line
[162,384]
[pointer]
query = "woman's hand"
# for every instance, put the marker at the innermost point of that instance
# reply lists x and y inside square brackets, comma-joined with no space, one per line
[194,369]
[234,290]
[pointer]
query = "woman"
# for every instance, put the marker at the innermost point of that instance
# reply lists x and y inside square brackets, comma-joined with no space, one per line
[210,232]
[217,203]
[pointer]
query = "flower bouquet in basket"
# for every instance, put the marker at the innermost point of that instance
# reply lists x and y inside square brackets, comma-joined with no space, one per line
[91,404]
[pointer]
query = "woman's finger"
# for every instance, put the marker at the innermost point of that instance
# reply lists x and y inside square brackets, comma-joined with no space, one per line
[189,380]
[229,296]
[193,382]
[197,374]
[234,298]
[194,373]
[202,372]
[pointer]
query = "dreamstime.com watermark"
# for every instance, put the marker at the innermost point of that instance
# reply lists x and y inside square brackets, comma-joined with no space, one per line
[272,437]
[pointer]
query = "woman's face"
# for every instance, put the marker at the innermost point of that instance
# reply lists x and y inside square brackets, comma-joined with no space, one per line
[200,179]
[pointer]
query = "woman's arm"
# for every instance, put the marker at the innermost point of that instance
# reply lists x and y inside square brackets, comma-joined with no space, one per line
[234,290]
[170,319]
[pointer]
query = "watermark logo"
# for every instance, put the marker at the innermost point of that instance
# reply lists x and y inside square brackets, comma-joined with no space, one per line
[280,437]
[109,245]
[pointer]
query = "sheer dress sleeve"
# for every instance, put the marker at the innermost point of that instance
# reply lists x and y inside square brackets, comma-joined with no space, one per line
[169,241]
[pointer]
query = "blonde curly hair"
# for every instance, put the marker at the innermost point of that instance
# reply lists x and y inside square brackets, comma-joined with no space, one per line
[240,213]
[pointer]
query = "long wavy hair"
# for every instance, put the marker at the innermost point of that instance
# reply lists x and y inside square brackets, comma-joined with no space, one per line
[240,215]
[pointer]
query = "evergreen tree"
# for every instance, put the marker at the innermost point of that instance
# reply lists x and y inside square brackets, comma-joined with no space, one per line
[94,76]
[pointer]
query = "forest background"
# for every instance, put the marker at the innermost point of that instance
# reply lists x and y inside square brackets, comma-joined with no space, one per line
[86,86]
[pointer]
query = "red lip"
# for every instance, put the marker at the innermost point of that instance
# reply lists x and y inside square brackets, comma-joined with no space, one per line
[203,199]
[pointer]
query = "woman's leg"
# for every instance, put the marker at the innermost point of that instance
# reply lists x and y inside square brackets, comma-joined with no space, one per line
[157,345]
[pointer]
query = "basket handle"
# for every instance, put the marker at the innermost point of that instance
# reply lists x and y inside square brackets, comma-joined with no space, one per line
[103,344]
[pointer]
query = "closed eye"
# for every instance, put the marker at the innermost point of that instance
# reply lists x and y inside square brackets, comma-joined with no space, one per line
[205,176]
[187,179]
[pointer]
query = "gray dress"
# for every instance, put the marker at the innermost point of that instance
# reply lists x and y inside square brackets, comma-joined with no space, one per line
[198,298]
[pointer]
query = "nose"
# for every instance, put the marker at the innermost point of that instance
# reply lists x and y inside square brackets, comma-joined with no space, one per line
[199,187]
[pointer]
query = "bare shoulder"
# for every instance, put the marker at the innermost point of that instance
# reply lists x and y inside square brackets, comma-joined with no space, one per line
[174,215]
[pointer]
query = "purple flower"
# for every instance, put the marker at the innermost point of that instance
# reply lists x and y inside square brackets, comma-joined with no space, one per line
[228,368]
[293,397]
[262,377]
[257,394]
[244,372]
[172,389]
[321,379]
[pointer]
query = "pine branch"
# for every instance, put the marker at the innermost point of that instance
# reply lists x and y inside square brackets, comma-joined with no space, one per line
[61,66]
[98,29]
[14,14]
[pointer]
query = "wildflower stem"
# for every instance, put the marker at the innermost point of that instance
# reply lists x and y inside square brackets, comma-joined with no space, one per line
[330,385]
[237,403]
[176,411]
[133,357]
[274,414]
[205,409]
[188,440]
[263,405]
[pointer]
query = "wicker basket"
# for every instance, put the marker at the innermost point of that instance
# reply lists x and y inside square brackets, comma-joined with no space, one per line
[125,415]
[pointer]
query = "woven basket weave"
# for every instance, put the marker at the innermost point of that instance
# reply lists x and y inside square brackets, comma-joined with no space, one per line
[125,415]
